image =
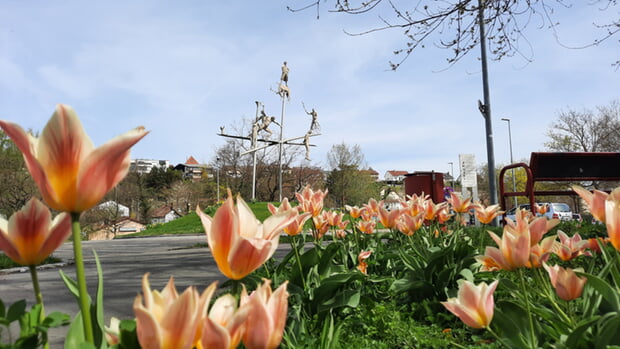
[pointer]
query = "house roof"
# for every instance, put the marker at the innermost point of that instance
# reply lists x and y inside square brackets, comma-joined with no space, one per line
[395,173]
[163,211]
[191,161]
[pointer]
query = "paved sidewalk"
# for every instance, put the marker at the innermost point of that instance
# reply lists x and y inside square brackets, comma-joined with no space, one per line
[124,262]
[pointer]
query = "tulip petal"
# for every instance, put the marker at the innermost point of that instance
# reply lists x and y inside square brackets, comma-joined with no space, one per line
[258,326]
[62,147]
[27,144]
[148,330]
[222,236]
[248,255]
[104,168]
[214,336]
[6,244]
[59,233]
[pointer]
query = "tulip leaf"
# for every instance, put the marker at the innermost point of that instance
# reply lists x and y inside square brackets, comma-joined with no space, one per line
[97,308]
[579,332]
[2,309]
[326,262]
[71,285]
[75,333]
[16,310]
[347,298]
[512,321]
[609,294]
[608,333]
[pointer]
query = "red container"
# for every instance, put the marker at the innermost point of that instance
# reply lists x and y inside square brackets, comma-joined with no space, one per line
[427,183]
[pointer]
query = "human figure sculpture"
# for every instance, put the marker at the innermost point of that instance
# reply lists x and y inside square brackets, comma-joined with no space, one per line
[307,144]
[265,121]
[284,91]
[254,135]
[284,76]
[314,125]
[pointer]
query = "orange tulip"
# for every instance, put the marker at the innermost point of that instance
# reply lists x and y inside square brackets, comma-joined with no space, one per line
[567,284]
[595,201]
[30,235]
[431,209]
[284,206]
[366,227]
[321,225]
[311,201]
[373,206]
[297,225]
[354,211]
[267,316]
[239,243]
[569,248]
[459,204]
[224,325]
[486,215]
[72,175]
[474,304]
[443,216]
[166,319]
[389,218]
[408,224]
[540,252]
[612,217]
[361,260]
[536,228]
[513,252]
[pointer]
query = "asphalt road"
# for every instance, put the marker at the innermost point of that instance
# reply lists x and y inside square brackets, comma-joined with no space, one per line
[124,262]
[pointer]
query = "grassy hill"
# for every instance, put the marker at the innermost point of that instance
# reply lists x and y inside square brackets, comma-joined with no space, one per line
[190,224]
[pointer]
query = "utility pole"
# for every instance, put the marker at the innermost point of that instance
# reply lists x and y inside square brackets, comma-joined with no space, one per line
[485,109]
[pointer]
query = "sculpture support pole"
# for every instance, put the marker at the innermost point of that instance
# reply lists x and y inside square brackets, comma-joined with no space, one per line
[281,145]
[254,158]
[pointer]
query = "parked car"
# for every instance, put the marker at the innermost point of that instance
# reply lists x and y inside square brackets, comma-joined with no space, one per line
[558,210]
[555,210]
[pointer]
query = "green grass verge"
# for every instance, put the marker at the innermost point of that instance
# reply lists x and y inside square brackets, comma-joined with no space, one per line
[190,224]
[6,262]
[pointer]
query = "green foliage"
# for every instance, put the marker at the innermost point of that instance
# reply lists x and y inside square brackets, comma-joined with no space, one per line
[6,262]
[32,329]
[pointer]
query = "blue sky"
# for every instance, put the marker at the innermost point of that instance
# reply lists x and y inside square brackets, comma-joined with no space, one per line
[184,68]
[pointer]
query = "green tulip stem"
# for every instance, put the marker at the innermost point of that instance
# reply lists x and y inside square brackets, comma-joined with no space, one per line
[39,297]
[548,292]
[527,305]
[35,285]
[499,339]
[81,277]
[294,244]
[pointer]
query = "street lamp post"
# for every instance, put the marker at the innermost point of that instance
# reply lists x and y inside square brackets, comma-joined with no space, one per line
[514,182]
[452,173]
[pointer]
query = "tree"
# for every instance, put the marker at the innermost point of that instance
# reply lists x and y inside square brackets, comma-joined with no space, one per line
[586,130]
[159,179]
[453,24]
[16,185]
[347,182]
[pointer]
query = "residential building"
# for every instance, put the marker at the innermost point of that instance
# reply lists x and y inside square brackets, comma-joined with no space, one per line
[394,177]
[122,226]
[164,214]
[191,169]
[144,166]
[114,207]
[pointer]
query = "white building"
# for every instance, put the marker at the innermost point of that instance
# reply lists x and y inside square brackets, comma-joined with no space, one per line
[146,165]
[123,211]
